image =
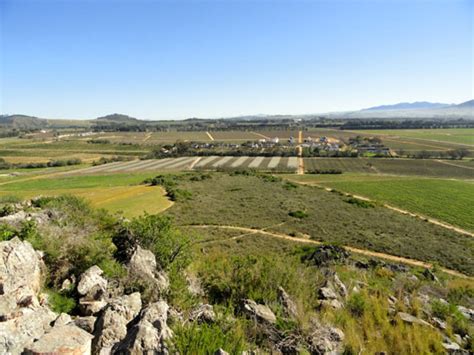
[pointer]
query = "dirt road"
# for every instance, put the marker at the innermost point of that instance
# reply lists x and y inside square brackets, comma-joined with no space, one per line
[398,259]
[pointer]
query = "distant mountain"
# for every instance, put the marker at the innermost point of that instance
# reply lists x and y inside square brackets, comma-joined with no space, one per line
[408,106]
[414,110]
[117,117]
[22,122]
[468,104]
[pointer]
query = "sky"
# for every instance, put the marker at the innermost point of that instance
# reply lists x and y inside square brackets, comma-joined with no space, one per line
[180,59]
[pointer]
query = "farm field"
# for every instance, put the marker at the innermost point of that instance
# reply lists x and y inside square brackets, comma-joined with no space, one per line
[461,136]
[238,200]
[410,167]
[116,193]
[444,200]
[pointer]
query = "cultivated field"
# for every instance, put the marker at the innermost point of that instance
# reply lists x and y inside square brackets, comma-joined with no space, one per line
[116,193]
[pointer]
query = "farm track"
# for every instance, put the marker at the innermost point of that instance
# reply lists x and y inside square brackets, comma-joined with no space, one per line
[260,135]
[452,164]
[210,136]
[365,252]
[396,209]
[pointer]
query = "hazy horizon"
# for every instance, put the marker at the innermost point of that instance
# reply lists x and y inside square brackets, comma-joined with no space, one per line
[176,60]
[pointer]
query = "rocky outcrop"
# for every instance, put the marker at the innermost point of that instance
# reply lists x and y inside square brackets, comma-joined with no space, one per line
[204,313]
[65,339]
[149,334]
[332,293]
[260,312]
[408,318]
[325,339]
[111,326]
[92,287]
[22,318]
[285,300]
[467,313]
[142,265]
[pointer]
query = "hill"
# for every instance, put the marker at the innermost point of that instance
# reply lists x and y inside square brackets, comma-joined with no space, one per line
[408,106]
[22,122]
[117,117]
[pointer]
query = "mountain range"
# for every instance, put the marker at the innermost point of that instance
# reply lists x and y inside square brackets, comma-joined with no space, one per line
[403,110]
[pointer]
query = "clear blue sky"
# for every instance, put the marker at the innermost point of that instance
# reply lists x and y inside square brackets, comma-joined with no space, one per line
[179,59]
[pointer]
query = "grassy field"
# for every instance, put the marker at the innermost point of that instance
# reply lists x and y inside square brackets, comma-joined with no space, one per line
[445,200]
[256,202]
[116,193]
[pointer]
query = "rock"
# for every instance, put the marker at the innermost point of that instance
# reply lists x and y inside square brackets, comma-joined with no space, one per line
[438,323]
[63,319]
[261,312]
[361,265]
[92,287]
[335,304]
[194,285]
[450,346]
[14,219]
[327,254]
[149,334]
[143,265]
[340,287]
[429,275]
[458,338]
[20,267]
[408,318]
[327,293]
[66,339]
[413,278]
[21,331]
[90,308]
[174,316]
[68,284]
[91,284]
[392,300]
[86,323]
[22,317]
[467,312]
[221,352]
[204,313]
[111,326]
[325,340]
[285,300]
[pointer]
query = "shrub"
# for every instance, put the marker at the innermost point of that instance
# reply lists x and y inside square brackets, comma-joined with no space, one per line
[357,304]
[60,303]
[7,210]
[155,233]
[360,203]
[6,232]
[298,214]
[207,338]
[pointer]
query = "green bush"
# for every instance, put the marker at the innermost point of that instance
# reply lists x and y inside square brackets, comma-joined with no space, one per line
[359,203]
[207,338]
[60,303]
[357,304]
[155,233]
[7,210]
[7,232]
[298,214]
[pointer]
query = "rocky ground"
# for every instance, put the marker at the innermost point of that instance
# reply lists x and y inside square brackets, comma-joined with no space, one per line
[112,319]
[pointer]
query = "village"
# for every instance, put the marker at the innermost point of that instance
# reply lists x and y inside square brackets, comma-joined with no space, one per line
[274,146]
